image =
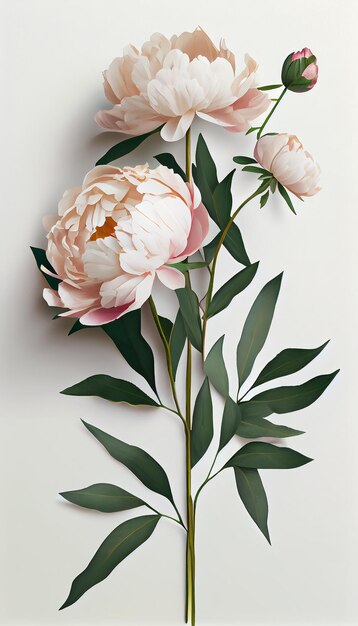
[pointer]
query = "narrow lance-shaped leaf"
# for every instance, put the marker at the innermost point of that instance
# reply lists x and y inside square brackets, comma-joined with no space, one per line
[229,423]
[125,147]
[109,388]
[260,455]
[205,163]
[253,496]
[232,288]
[234,244]
[244,160]
[189,307]
[187,267]
[143,466]
[293,398]
[214,368]
[168,160]
[167,327]
[127,337]
[256,327]
[287,362]
[103,497]
[202,428]
[41,260]
[177,341]
[222,200]
[218,200]
[264,199]
[210,248]
[121,542]
[255,427]
[286,197]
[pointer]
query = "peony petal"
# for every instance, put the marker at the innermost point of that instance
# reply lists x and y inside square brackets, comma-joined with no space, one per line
[171,277]
[176,128]
[100,316]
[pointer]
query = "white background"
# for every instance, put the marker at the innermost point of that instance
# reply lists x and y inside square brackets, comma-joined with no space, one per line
[53,52]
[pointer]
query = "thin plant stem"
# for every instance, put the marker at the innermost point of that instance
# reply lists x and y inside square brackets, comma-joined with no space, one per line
[169,360]
[271,113]
[180,522]
[190,548]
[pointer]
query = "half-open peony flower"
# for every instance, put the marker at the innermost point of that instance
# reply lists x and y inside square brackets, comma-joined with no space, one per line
[292,166]
[170,81]
[115,234]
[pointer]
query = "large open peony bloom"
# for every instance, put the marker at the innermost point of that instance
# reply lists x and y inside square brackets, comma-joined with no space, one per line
[292,166]
[170,81]
[115,234]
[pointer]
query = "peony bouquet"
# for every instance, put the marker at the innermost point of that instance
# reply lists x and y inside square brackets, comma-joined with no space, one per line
[124,228]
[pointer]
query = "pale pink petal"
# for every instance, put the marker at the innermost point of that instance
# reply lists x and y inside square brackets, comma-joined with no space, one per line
[176,127]
[171,277]
[51,297]
[100,316]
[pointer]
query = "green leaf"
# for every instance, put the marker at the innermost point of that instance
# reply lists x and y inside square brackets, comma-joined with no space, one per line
[139,462]
[218,200]
[254,409]
[202,429]
[287,362]
[126,335]
[187,267]
[205,165]
[210,248]
[243,160]
[286,197]
[103,497]
[268,87]
[41,259]
[264,199]
[169,161]
[253,496]
[121,542]
[189,307]
[232,288]
[109,388]
[254,427]
[273,185]
[177,341]
[229,423]
[222,201]
[288,399]
[167,327]
[252,129]
[256,170]
[214,368]
[125,147]
[234,244]
[256,327]
[260,455]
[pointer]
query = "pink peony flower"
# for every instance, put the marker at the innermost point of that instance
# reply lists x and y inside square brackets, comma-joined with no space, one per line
[283,155]
[115,234]
[170,81]
[300,71]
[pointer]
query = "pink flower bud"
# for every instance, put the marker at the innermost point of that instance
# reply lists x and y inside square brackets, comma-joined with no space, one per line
[300,71]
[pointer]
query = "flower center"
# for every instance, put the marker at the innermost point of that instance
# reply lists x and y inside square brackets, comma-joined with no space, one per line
[107,230]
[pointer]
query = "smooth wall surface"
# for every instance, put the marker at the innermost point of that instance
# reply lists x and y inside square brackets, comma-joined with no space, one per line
[53,53]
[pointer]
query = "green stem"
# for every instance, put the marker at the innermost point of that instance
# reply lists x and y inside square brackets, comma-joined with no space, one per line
[271,112]
[190,544]
[168,358]
[220,243]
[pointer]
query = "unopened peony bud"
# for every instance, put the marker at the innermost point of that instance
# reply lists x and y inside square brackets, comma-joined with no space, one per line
[300,71]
